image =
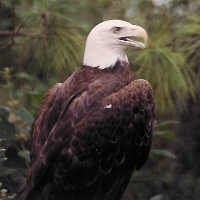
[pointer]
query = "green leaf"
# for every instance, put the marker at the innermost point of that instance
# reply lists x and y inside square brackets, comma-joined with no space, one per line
[165,133]
[5,171]
[157,197]
[36,97]
[166,123]
[161,152]
[25,76]
[25,115]
[25,154]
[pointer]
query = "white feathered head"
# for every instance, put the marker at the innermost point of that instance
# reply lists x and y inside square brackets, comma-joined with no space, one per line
[107,42]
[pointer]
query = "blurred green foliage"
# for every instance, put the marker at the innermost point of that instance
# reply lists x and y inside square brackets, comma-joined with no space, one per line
[157,197]
[50,36]
[46,46]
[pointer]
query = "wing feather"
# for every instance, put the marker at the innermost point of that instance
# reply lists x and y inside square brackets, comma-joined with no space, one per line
[44,122]
[89,141]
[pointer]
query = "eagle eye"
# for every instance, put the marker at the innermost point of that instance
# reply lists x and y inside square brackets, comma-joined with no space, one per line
[116,29]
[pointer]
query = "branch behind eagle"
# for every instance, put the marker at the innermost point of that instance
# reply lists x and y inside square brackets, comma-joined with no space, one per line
[94,129]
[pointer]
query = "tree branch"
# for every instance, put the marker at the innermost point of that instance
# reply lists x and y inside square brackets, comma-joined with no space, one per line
[14,33]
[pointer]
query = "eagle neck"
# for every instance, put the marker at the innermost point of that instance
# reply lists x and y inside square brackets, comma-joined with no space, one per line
[102,57]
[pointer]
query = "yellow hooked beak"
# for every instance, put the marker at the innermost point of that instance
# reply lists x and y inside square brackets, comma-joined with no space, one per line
[134,33]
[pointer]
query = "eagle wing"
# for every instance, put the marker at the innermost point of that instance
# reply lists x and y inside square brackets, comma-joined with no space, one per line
[95,136]
[43,123]
[135,104]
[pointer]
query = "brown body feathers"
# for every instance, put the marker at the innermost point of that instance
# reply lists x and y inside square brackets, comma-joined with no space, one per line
[91,133]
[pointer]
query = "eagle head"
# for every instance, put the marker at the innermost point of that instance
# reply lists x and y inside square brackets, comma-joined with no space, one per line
[107,43]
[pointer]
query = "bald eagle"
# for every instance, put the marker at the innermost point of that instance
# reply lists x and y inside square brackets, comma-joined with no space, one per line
[95,129]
